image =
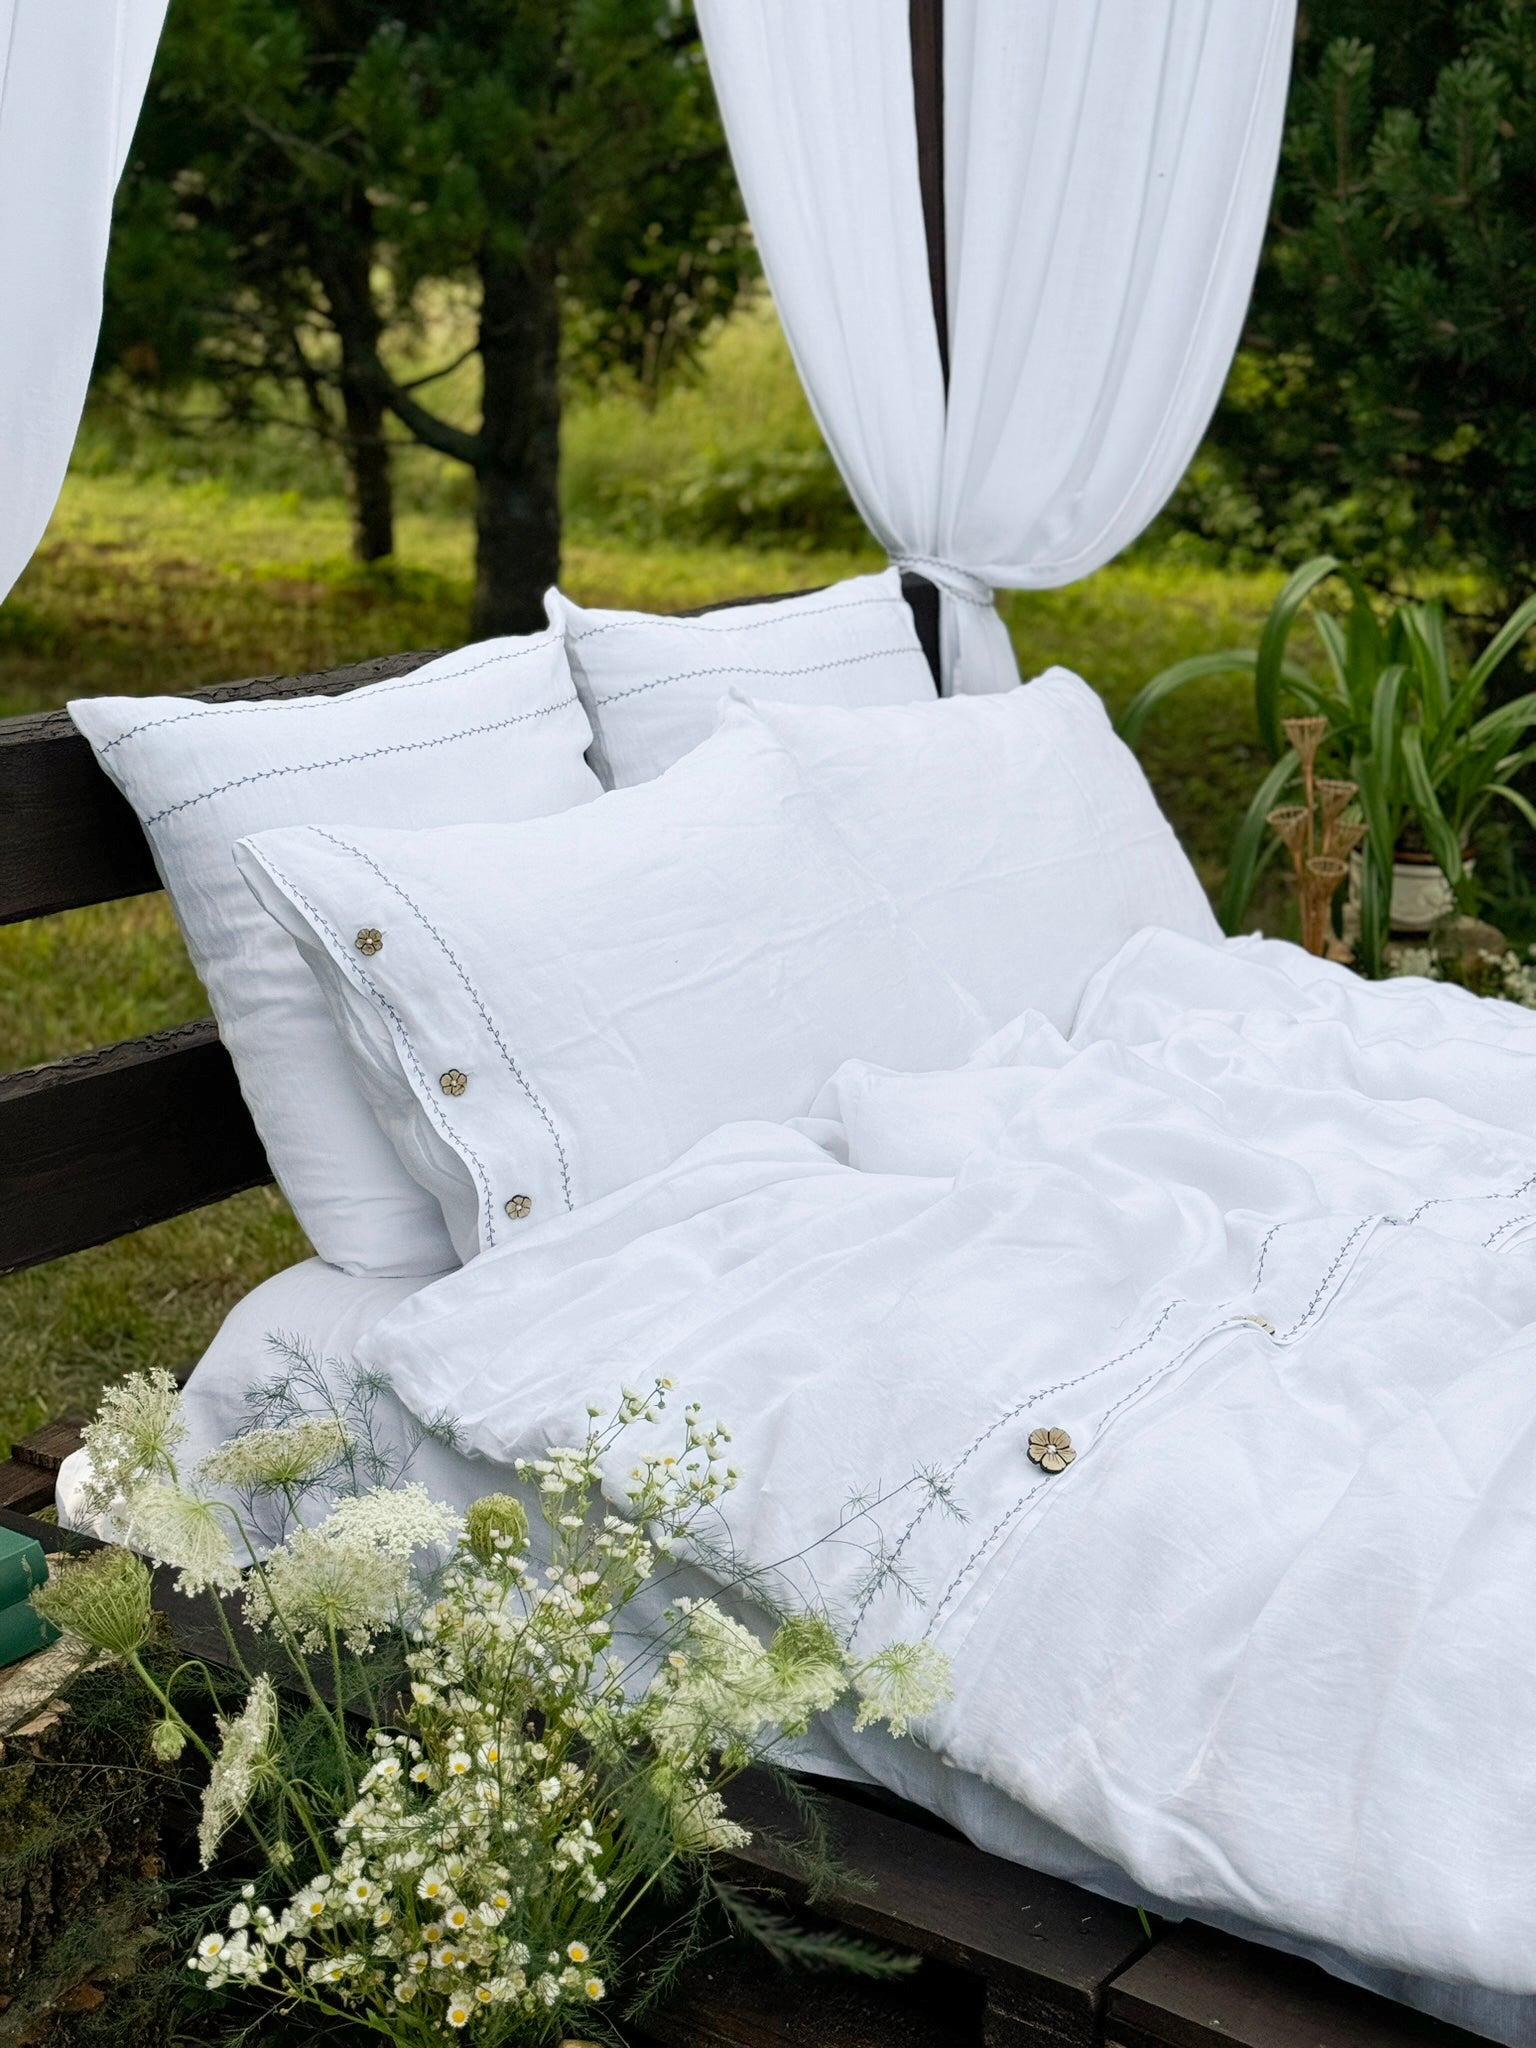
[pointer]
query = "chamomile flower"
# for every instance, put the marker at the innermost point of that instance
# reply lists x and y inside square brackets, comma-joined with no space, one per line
[578,1951]
[594,1988]
[458,2013]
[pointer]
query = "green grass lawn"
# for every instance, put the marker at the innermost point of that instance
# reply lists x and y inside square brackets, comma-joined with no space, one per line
[157,575]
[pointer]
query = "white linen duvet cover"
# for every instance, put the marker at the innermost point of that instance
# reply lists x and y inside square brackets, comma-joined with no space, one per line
[1259,1239]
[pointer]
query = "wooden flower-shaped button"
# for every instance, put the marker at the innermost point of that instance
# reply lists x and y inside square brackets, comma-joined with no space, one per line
[1051,1449]
[519,1206]
[368,940]
[453,1082]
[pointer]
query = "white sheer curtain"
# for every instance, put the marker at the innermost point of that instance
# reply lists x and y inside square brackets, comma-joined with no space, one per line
[1107,178]
[72,77]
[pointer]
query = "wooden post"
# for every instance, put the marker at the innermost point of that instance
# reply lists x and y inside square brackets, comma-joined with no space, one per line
[927,29]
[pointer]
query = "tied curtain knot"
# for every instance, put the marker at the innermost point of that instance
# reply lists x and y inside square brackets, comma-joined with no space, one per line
[949,577]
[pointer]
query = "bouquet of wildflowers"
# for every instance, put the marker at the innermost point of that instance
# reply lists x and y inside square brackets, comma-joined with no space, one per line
[531,1795]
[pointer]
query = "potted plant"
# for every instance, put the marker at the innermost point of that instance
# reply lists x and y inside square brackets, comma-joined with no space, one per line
[1407,722]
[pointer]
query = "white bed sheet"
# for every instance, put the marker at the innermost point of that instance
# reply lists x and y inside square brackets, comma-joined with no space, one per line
[1259,1238]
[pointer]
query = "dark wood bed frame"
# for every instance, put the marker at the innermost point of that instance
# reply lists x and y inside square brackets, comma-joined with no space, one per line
[106,1142]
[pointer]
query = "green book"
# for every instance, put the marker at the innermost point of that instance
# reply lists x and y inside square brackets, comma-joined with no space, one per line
[22,1631]
[22,1566]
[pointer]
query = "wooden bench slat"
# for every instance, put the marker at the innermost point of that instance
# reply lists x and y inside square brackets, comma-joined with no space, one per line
[735,1997]
[1197,1986]
[24,1489]
[48,1534]
[1047,1950]
[68,837]
[107,1142]
[48,1447]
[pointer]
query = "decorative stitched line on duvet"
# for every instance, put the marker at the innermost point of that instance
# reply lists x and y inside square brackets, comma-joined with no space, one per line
[476,998]
[393,684]
[464,732]
[1160,1371]
[1509,1223]
[1400,1222]
[1019,1408]
[344,959]
[689,675]
[727,623]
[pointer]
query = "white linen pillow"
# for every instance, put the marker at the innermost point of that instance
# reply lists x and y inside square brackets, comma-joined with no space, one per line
[565,1006]
[1016,832]
[492,731]
[652,686]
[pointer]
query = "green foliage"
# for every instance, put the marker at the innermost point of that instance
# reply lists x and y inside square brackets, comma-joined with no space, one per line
[307,173]
[1408,722]
[1384,405]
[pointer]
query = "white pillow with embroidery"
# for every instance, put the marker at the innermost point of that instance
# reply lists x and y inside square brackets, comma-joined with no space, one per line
[492,731]
[564,1006]
[652,686]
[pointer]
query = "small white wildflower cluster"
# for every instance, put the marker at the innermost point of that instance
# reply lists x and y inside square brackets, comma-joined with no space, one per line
[1504,975]
[482,1871]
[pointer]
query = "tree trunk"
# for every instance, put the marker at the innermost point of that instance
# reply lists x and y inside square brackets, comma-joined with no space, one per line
[345,268]
[370,483]
[517,511]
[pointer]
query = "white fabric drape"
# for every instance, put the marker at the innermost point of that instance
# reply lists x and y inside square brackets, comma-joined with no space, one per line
[1108,170]
[72,78]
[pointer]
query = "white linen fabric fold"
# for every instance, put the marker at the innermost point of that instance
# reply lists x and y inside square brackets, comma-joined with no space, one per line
[72,77]
[1108,165]
[1261,1240]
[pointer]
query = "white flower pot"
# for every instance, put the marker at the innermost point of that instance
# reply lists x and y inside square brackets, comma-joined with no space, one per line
[1421,895]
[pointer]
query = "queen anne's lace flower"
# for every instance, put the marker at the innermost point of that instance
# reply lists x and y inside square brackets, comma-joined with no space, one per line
[900,1685]
[246,1743]
[137,1427]
[294,1454]
[185,1531]
[167,1740]
[102,1599]
[317,1586]
[398,1520]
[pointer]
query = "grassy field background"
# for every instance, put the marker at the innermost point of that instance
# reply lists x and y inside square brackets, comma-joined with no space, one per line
[182,558]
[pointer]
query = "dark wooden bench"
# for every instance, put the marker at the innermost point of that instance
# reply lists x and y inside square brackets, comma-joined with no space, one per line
[109,1141]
